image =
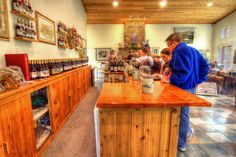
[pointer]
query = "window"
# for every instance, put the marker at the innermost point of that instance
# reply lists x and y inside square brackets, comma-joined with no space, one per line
[225,32]
[226,57]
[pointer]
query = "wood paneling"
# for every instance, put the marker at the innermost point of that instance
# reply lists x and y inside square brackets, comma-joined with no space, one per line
[114,95]
[139,133]
[17,133]
[176,12]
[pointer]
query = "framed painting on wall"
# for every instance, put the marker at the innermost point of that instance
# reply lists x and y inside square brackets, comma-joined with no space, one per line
[156,50]
[102,54]
[4,24]
[185,33]
[46,29]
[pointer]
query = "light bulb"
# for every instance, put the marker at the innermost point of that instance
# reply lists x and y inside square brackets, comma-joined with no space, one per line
[115,3]
[209,4]
[163,3]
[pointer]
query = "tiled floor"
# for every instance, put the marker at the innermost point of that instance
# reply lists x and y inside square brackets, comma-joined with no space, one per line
[215,129]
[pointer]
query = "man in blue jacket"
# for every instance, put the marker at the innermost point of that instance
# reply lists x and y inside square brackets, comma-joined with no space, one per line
[189,69]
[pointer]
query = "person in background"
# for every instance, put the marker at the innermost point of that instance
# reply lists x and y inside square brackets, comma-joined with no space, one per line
[131,55]
[156,68]
[112,56]
[165,70]
[144,59]
[189,69]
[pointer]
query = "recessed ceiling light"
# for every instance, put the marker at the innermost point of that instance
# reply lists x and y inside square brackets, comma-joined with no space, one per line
[209,4]
[163,3]
[115,3]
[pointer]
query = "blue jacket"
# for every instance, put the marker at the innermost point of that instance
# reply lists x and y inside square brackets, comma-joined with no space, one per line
[189,68]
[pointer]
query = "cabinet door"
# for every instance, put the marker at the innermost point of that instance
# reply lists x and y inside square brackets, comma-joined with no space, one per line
[88,78]
[75,89]
[17,133]
[60,101]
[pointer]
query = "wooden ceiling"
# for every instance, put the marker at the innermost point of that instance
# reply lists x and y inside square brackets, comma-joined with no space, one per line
[176,11]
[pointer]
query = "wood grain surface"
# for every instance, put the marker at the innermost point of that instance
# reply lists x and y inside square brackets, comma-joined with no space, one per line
[130,95]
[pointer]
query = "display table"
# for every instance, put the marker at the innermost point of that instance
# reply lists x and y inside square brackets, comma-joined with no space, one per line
[131,123]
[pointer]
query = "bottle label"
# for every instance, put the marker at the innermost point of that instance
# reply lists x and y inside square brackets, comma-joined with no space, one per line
[33,75]
[41,74]
[115,69]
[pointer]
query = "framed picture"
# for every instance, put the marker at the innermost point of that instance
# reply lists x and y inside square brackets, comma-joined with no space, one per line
[185,33]
[102,54]
[46,29]
[4,24]
[156,50]
[207,88]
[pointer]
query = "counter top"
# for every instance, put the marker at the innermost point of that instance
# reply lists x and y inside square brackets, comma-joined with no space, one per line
[129,95]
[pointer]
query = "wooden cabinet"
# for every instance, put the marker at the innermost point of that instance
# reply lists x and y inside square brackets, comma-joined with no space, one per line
[17,136]
[17,133]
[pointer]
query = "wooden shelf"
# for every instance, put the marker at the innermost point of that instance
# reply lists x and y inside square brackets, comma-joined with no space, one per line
[46,133]
[37,113]
[62,33]
[64,47]
[25,39]
[18,13]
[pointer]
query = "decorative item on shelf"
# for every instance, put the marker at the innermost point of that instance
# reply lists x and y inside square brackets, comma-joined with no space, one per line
[45,29]
[25,22]
[62,35]
[25,29]
[71,37]
[22,6]
[4,24]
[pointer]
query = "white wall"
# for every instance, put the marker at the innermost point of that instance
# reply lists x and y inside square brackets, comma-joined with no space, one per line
[157,34]
[229,20]
[109,35]
[70,12]
[103,36]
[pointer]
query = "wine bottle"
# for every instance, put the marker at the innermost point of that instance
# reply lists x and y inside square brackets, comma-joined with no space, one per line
[111,66]
[115,66]
[33,71]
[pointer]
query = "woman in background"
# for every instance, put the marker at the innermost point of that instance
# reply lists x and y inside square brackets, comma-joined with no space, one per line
[165,72]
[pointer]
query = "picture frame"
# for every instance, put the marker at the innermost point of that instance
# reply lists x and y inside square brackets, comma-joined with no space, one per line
[102,54]
[207,88]
[156,50]
[45,29]
[185,33]
[4,22]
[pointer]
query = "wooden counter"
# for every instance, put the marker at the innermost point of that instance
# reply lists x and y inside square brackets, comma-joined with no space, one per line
[144,125]
[130,95]
[17,124]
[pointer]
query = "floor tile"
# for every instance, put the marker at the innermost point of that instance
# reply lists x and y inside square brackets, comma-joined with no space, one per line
[214,150]
[218,137]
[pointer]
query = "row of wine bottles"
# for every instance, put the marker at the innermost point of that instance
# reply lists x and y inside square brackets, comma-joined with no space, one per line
[23,6]
[25,28]
[44,68]
[117,66]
